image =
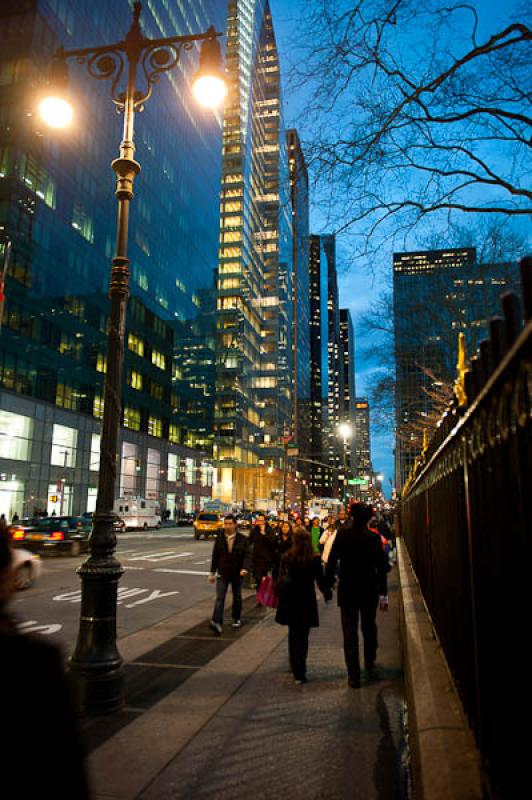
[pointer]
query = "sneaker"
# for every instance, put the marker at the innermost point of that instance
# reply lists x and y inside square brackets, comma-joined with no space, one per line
[216,627]
[236,623]
[353,683]
[300,681]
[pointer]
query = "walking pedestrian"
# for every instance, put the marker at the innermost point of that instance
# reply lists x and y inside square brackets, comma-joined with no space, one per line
[362,587]
[230,563]
[284,543]
[329,535]
[298,608]
[264,545]
[316,532]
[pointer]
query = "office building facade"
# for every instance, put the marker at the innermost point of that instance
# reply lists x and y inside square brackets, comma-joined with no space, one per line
[335,367]
[301,409]
[347,360]
[437,294]
[57,206]
[254,327]
[320,473]
[362,446]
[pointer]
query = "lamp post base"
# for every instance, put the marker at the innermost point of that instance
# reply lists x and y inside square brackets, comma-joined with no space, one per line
[96,669]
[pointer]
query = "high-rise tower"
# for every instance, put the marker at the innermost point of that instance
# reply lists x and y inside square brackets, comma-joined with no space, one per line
[254,337]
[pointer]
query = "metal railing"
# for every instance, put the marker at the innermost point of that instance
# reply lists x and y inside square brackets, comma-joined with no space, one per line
[465,517]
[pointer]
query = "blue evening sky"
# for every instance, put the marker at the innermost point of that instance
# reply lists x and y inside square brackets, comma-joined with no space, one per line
[360,284]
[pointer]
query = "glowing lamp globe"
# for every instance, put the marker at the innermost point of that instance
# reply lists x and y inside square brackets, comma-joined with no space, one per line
[210,87]
[56,112]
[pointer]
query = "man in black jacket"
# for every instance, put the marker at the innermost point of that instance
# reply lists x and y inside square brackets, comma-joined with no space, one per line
[230,562]
[363,581]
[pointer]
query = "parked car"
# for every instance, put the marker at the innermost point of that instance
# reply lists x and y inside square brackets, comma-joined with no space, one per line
[207,523]
[119,523]
[45,535]
[186,519]
[27,568]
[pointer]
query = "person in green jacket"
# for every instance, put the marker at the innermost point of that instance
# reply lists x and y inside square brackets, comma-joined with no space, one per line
[315,534]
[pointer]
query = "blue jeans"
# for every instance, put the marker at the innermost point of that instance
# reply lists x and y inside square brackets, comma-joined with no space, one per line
[222,585]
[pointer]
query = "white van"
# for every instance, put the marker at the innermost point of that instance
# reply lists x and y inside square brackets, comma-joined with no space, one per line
[137,512]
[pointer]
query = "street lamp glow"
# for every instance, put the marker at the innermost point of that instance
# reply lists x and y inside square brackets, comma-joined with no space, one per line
[209,87]
[345,430]
[56,112]
[209,90]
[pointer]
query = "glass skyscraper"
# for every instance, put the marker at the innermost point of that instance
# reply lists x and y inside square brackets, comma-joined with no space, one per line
[320,474]
[254,337]
[58,208]
[437,295]
[301,297]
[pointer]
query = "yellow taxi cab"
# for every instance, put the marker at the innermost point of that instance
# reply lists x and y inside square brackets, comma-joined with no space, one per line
[207,523]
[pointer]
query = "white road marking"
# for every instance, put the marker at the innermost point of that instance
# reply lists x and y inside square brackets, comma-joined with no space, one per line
[155,557]
[32,626]
[155,595]
[128,568]
[183,571]
[178,555]
[148,556]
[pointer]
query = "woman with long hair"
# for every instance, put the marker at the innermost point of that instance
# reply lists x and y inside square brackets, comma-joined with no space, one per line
[298,608]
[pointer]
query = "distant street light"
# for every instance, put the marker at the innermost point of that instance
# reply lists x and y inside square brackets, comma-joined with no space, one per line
[96,665]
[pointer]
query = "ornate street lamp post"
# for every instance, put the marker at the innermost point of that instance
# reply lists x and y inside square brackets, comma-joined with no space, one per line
[96,666]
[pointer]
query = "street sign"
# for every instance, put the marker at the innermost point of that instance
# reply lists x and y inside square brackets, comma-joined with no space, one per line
[357,481]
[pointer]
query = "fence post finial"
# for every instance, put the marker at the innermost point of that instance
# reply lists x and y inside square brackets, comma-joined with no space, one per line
[461,368]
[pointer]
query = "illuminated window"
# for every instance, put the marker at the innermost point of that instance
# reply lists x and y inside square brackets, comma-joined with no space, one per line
[101,363]
[155,426]
[135,380]
[158,359]
[97,408]
[132,418]
[82,222]
[135,344]
[173,467]
[174,434]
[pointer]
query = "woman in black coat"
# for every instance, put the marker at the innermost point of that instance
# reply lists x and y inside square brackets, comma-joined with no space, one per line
[264,544]
[298,607]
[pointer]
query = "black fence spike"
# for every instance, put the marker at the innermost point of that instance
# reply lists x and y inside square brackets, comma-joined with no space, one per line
[476,370]
[486,359]
[498,339]
[512,316]
[469,387]
[525,267]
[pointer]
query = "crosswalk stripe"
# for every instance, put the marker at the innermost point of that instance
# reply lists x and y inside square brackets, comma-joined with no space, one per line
[183,571]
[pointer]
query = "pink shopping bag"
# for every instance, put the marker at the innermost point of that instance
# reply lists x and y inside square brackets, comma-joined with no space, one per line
[266,594]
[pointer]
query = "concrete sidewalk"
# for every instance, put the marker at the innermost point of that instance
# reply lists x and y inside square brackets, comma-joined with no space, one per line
[236,725]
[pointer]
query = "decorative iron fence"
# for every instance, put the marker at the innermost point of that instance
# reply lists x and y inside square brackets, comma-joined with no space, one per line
[466,519]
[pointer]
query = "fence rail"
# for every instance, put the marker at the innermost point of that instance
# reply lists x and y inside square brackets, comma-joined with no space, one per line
[466,521]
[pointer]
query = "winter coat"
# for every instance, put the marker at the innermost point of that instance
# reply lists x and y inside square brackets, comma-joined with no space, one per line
[297,595]
[264,549]
[315,535]
[363,566]
[229,564]
[283,546]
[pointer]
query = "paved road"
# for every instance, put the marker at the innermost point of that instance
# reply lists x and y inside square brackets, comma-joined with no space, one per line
[165,571]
